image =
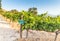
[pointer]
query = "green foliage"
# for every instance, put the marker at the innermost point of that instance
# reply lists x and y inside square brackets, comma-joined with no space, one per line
[35,22]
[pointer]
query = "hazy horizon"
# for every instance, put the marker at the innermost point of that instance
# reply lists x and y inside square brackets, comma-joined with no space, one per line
[52,6]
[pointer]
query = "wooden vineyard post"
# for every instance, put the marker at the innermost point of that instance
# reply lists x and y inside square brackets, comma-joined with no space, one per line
[57,32]
[20,31]
[21,22]
[56,37]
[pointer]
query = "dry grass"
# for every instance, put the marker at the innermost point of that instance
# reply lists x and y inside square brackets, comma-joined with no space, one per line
[43,36]
[14,25]
[39,39]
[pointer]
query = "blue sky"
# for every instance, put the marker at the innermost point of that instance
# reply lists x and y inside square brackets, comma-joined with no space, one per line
[52,6]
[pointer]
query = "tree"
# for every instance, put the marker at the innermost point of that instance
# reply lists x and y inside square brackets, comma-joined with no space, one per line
[14,11]
[33,10]
[0,3]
